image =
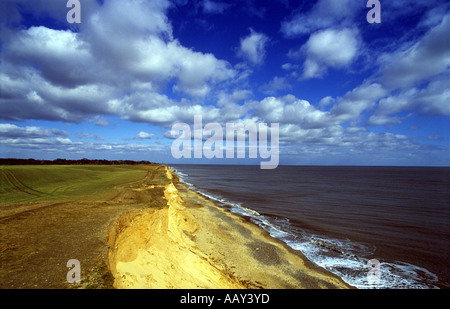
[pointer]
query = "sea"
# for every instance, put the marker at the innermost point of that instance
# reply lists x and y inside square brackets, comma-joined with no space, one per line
[375,227]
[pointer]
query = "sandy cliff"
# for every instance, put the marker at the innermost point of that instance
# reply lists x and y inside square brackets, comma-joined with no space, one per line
[189,242]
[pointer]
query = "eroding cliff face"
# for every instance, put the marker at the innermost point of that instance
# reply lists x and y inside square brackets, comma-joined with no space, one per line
[155,248]
[183,240]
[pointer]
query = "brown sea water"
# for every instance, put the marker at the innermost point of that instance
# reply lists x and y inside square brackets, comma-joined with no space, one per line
[341,217]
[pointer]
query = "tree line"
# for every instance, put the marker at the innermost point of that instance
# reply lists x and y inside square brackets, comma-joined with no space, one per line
[11,161]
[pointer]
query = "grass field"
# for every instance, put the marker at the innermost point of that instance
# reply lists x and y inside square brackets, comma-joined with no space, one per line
[52,213]
[36,183]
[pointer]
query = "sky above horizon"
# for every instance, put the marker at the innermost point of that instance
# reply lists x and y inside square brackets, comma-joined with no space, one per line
[343,91]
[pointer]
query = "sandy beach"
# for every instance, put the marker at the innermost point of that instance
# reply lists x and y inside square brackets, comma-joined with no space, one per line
[189,242]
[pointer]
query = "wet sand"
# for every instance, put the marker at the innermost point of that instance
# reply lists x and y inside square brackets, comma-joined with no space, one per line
[189,242]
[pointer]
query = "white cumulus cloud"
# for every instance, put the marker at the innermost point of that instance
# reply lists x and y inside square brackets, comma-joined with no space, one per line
[253,47]
[329,48]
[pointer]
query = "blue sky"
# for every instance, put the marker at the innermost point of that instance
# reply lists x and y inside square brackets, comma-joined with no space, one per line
[343,91]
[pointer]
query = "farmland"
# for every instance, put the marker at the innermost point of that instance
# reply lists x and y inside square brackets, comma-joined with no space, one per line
[62,183]
[52,213]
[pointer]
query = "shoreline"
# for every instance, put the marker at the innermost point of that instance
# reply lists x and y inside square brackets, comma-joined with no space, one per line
[136,227]
[190,242]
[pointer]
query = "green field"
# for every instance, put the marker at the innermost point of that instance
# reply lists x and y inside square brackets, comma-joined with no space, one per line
[42,183]
[52,213]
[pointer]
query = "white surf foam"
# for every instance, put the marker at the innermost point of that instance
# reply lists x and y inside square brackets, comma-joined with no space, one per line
[345,258]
